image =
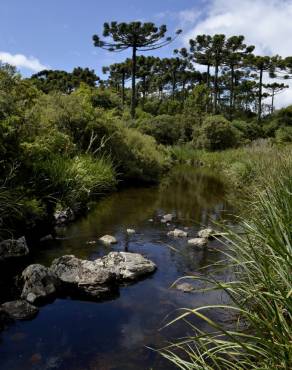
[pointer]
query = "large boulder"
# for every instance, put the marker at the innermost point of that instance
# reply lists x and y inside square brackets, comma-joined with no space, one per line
[19,310]
[100,278]
[84,277]
[127,266]
[39,284]
[13,248]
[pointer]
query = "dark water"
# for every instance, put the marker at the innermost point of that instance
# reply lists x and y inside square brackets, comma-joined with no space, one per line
[71,335]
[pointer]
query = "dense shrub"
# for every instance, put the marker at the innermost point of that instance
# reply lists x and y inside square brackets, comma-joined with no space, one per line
[216,133]
[284,134]
[139,157]
[248,131]
[166,129]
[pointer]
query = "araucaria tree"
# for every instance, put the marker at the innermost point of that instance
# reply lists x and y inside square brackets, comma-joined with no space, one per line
[137,36]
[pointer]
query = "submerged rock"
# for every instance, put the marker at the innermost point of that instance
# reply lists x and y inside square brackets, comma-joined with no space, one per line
[184,287]
[13,248]
[5,319]
[108,239]
[206,233]
[178,233]
[19,310]
[198,242]
[39,283]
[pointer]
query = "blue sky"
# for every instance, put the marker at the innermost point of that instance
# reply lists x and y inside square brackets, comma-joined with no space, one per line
[57,34]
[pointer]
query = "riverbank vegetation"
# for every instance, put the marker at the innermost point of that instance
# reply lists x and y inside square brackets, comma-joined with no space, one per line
[67,138]
[260,293]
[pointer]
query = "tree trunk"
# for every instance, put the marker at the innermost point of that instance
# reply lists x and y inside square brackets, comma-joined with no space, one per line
[208,75]
[273,97]
[173,84]
[133,99]
[216,87]
[231,92]
[123,89]
[260,96]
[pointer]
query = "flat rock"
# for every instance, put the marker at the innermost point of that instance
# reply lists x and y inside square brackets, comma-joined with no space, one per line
[13,248]
[20,310]
[185,287]
[198,242]
[39,283]
[108,239]
[85,277]
[127,266]
[178,233]
[206,233]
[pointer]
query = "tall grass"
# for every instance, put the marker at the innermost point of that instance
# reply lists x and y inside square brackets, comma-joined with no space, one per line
[261,292]
[77,179]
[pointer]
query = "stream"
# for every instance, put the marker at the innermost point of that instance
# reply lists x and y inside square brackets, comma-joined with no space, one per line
[71,334]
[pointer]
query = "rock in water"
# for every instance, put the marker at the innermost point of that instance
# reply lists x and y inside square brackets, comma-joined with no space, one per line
[185,287]
[13,248]
[108,239]
[84,277]
[99,278]
[167,218]
[127,266]
[198,242]
[206,233]
[39,283]
[20,310]
[130,231]
[178,233]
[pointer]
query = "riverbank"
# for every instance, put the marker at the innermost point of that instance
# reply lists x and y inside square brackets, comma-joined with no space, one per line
[261,256]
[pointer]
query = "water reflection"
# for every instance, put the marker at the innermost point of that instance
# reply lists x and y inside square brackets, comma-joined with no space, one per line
[73,335]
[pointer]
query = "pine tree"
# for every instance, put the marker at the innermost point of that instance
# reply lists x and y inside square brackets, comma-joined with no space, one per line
[137,36]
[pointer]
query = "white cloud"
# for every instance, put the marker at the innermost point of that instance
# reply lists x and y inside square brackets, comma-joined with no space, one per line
[264,23]
[22,61]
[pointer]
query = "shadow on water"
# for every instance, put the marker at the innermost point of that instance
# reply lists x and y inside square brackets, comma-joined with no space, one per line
[75,335]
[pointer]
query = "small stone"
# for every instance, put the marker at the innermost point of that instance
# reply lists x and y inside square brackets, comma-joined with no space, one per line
[150,220]
[185,287]
[178,233]
[198,242]
[167,218]
[108,239]
[206,233]
[91,242]
[47,237]
[20,310]
[130,231]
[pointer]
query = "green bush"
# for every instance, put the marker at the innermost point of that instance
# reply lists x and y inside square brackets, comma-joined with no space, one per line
[140,157]
[166,129]
[284,135]
[216,133]
[248,131]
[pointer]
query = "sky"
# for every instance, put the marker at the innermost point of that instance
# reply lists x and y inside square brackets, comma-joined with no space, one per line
[57,34]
